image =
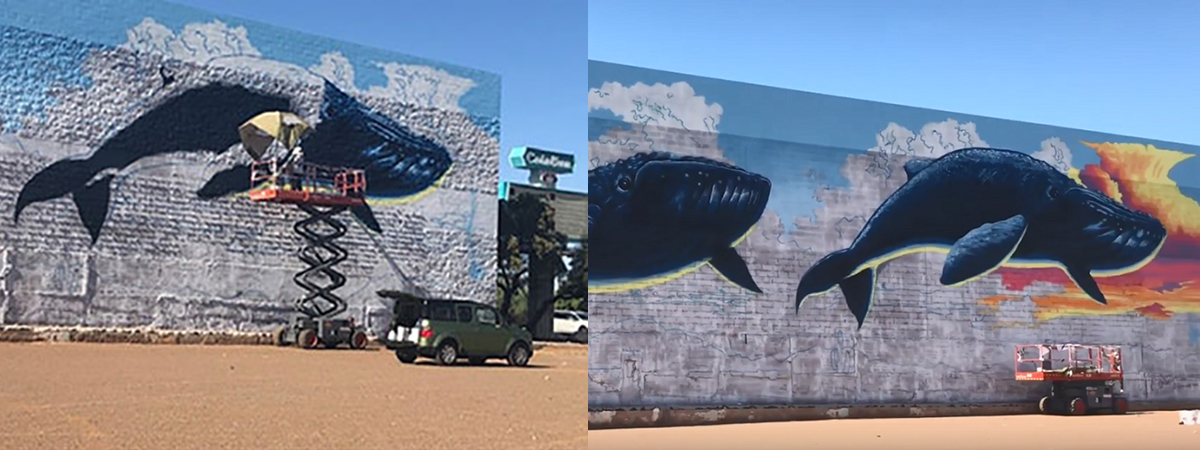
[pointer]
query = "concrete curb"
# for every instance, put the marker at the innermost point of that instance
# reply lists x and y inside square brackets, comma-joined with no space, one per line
[19,333]
[602,419]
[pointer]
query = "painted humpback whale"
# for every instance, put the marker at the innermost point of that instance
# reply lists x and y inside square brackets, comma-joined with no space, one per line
[986,208]
[399,164]
[655,216]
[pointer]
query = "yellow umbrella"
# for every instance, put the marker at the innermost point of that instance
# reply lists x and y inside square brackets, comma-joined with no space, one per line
[260,131]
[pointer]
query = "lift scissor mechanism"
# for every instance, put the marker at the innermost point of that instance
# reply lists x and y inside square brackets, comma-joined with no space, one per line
[279,175]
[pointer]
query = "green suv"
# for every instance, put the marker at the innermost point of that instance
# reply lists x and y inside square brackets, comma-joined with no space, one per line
[447,330]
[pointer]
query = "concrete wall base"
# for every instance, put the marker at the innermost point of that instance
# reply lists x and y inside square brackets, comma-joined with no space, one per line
[664,417]
[131,336]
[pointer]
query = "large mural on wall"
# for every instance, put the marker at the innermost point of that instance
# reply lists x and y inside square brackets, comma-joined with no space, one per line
[127,186]
[657,216]
[988,208]
[400,164]
[947,237]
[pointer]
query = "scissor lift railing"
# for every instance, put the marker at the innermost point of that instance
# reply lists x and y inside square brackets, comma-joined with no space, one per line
[309,184]
[1065,362]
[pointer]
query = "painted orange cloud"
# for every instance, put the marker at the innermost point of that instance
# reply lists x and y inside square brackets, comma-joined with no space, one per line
[1138,176]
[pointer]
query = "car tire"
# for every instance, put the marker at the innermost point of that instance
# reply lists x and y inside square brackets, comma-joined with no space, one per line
[308,339]
[406,356]
[519,354]
[447,353]
[581,336]
[358,340]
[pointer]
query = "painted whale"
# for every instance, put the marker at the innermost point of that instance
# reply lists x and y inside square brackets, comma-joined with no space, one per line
[987,208]
[655,216]
[400,165]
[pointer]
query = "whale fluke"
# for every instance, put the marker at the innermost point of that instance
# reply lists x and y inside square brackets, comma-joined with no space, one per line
[859,291]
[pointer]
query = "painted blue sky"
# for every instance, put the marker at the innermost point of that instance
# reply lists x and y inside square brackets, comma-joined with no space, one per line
[1072,68]
[535,46]
[1118,66]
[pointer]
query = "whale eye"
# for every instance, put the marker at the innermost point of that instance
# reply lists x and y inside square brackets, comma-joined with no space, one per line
[624,183]
[1053,192]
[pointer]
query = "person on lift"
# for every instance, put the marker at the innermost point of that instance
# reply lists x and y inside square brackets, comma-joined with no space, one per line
[275,136]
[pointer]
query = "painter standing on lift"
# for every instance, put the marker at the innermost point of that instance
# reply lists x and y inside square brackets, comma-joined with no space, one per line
[287,163]
[276,136]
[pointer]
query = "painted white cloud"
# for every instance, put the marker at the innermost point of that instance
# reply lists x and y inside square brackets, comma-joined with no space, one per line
[422,85]
[669,108]
[335,67]
[218,44]
[933,140]
[1055,152]
[198,42]
[676,105]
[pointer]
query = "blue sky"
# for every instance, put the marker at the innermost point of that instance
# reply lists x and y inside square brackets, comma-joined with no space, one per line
[1128,68]
[536,46]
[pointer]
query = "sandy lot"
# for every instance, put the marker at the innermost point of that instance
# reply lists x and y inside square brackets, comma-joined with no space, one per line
[1158,431]
[102,396]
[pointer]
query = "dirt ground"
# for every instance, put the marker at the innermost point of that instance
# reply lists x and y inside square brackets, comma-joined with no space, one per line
[108,396]
[1135,431]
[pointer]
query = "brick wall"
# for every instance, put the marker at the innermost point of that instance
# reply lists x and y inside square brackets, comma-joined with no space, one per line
[700,341]
[166,258]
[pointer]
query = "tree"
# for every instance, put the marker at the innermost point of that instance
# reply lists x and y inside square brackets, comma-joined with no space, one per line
[572,290]
[528,244]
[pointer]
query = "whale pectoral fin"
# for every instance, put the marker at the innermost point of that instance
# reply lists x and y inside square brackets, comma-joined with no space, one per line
[225,182]
[366,216]
[729,264]
[915,165]
[1082,276]
[859,291]
[982,250]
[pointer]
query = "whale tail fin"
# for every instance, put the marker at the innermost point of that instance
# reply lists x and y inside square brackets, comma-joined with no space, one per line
[834,270]
[859,291]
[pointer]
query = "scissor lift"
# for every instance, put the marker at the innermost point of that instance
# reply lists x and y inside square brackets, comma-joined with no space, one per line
[321,192]
[1084,379]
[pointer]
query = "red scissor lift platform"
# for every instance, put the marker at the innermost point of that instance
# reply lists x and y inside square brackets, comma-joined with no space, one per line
[308,184]
[1083,379]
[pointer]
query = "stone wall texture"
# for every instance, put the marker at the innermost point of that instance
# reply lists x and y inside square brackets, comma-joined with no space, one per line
[700,341]
[165,257]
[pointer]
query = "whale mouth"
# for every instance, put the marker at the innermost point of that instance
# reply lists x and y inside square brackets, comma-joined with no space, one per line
[701,193]
[1119,234]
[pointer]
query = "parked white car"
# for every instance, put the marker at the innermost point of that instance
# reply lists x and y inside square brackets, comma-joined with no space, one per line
[571,325]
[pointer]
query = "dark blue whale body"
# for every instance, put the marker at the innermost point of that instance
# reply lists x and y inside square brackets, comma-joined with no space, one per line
[987,208]
[397,162]
[655,215]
